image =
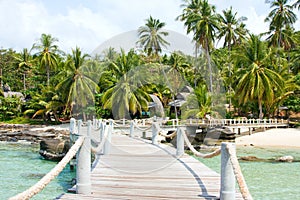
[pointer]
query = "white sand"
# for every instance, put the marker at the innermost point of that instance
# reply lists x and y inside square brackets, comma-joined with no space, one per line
[281,137]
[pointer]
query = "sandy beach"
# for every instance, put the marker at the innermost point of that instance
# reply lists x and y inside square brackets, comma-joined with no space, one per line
[280,137]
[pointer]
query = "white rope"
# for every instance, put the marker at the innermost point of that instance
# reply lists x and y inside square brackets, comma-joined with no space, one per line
[197,153]
[101,145]
[33,190]
[238,174]
[167,136]
[145,129]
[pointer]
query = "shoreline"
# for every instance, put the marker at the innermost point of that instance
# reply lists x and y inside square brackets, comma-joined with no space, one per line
[273,138]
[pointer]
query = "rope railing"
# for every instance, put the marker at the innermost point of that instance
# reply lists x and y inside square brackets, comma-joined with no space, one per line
[238,172]
[173,134]
[139,128]
[100,146]
[35,189]
[197,153]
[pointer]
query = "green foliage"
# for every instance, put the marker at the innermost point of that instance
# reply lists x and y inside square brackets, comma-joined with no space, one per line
[10,107]
[258,75]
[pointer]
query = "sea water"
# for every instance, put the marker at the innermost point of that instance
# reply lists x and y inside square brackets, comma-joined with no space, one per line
[267,180]
[21,166]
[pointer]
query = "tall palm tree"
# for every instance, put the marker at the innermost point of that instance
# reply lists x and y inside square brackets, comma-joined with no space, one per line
[47,53]
[80,81]
[230,28]
[151,36]
[200,18]
[258,82]
[24,60]
[280,17]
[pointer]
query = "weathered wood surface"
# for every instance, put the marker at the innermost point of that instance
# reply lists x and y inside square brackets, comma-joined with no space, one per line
[136,169]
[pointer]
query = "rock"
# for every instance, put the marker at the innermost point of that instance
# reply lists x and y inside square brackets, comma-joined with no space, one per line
[250,158]
[54,149]
[285,159]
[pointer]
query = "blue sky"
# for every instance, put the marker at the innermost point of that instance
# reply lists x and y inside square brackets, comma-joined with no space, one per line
[88,23]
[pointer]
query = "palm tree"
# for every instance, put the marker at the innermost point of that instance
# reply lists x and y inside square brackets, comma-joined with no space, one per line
[258,82]
[151,36]
[297,4]
[45,103]
[24,60]
[125,96]
[80,81]
[200,18]
[47,53]
[198,104]
[280,17]
[230,28]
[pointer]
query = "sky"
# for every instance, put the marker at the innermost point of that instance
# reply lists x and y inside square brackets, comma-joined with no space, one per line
[89,23]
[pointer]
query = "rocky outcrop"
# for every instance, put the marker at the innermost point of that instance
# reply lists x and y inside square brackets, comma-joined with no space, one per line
[54,143]
[30,133]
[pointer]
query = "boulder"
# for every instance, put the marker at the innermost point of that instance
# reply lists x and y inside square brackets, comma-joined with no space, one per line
[54,149]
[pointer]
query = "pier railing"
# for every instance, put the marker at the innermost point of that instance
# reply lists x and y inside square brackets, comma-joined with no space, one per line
[238,122]
[81,140]
[95,137]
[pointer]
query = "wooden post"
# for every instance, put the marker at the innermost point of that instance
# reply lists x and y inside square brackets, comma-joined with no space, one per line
[180,142]
[83,185]
[154,133]
[131,128]
[227,191]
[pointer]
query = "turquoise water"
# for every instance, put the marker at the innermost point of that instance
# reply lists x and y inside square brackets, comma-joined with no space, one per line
[267,180]
[21,167]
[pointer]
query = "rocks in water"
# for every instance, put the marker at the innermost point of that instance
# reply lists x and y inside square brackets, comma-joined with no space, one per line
[54,149]
[252,158]
[54,143]
[256,159]
[33,134]
[285,159]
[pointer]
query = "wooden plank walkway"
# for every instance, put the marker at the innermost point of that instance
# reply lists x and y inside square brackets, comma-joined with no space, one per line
[136,169]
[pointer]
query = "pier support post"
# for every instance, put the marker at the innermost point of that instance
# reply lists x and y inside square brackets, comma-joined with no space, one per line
[83,172]
[154,133]
[227,191]
[180,142]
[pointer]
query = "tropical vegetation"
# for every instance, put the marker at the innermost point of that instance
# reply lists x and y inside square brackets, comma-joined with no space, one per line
[248,75]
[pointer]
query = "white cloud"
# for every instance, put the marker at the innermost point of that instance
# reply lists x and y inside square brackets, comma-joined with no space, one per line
[89,23]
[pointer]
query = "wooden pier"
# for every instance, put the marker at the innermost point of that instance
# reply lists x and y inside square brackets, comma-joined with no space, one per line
[137,169]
